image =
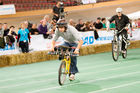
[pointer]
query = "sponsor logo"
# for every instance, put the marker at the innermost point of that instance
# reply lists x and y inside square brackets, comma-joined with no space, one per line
[89,40]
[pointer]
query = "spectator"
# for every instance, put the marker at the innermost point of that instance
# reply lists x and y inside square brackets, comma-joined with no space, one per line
[112,25]
[23,40]
[47,18]
[2,42]
[135,24]
[6,30]
[138,22]
[98,24]
[34,30]
[11,36]
[11,31]
[80,25]
[1,31]
[28,25]
[88,26]
[43,29]
[53,26]
[72,23]
[104,23]
[1,2]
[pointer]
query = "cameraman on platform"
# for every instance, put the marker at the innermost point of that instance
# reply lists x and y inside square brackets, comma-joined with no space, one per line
[58,11]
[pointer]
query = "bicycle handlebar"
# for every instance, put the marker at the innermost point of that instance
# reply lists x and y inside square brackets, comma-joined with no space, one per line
[55,53]
[63,50]
[122,29]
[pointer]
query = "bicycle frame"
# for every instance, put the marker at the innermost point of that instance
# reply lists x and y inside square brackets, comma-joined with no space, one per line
[65,54]
[119,39]
[68,62]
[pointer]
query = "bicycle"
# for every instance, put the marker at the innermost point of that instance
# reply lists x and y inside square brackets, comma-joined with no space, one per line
[117,45]
[65,54]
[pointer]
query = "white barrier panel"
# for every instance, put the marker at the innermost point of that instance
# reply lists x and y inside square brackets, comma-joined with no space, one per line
[104,37]
[88,1]
[136,34]
[38,43]
[7,9]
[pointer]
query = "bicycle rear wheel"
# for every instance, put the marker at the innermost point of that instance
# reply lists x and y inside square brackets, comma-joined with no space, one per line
[62,73]
[115,50]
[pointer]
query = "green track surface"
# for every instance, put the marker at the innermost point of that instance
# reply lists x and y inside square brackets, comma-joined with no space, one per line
[98,74]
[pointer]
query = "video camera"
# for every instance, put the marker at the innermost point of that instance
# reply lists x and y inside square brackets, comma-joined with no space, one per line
[61,5]
[61,11]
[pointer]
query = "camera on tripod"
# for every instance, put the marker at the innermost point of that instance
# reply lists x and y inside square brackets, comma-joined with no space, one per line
[61,5]
[61,10]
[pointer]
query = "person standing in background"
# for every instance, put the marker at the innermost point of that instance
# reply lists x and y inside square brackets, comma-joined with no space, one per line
[72,22]
[11,31]
[98,25]
[6,29]
[48,23]
[34,30]
[23,39]
[138,22]
[11,36]
[135,24]
[43,29]
[104,23]
[1,30]
[80,26]
[2,42]
[28,25]
[112,25]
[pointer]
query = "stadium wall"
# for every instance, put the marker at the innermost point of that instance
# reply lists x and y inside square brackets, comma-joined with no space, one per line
[39,56]
[72,8]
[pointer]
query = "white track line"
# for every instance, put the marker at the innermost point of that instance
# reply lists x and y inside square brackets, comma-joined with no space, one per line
[33,82]
[98,66]
[56,79]
[38,75]
[115,87]
[56,87]
[111,69]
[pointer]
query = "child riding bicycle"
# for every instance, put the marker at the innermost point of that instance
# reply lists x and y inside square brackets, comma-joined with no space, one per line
[72,39]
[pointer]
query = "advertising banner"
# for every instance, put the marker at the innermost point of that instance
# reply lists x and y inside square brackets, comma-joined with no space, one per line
[7,9]
[88,1]
[38,43]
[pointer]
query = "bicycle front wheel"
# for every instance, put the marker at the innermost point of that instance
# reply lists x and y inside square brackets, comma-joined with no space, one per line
[115,50]
[124,55]
[62,73]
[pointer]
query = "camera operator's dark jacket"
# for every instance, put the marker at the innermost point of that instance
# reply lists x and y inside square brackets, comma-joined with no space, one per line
[120,23]
[57,10]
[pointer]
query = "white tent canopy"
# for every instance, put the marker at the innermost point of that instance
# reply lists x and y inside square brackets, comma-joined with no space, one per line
[134,15]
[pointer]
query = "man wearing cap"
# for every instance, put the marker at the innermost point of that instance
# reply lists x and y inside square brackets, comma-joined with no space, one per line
[121,21]
[71,39]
